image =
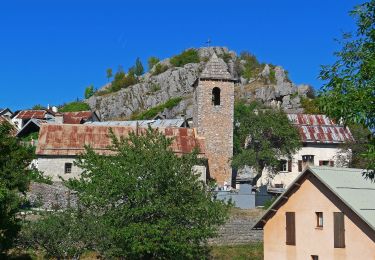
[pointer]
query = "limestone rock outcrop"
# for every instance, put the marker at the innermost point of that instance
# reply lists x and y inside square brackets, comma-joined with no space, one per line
[271,86]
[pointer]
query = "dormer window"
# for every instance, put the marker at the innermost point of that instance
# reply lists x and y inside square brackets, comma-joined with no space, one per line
[216,96]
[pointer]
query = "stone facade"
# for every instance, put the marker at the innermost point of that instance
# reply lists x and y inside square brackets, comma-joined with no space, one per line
[238,229]
[215,123]
[54,166]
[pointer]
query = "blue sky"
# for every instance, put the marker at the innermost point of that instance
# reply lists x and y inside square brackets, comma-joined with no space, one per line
[51,50]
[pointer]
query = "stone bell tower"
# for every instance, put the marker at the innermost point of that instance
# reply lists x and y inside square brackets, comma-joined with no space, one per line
[213,117]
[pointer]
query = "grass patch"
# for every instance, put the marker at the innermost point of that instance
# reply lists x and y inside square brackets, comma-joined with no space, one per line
[75,107]
[248,251]
[152,112]
[159,68]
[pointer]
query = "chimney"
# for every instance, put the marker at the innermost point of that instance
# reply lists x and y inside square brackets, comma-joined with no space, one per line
[59,118]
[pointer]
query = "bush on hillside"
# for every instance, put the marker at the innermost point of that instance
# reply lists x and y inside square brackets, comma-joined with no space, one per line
[152,112]
[75,106]
[188,56]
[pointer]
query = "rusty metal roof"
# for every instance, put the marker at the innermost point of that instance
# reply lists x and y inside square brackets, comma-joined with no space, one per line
[320,129]
[77,117]
[69,140]
[28,114]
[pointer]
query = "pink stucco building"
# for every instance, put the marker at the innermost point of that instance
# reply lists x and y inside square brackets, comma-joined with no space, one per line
[326,213]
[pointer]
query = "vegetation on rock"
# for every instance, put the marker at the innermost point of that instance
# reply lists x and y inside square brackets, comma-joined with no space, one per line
[152,61]
[152,112]
[188,56]
[89,91]
[159,68]
[75,106]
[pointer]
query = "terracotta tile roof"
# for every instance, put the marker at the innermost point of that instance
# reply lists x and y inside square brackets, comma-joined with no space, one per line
[320,129]
[28,114]
[69,140]
[77,117]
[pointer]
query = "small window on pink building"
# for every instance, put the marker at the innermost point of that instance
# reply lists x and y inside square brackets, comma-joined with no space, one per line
[319,219]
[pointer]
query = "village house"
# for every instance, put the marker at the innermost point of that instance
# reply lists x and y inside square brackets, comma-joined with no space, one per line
[325,213]
[34,123]
[21,118]
[6,112]
[60,144]
[321,141]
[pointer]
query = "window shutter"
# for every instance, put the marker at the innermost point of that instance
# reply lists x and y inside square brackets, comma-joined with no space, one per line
[290,228]
[339,230]
[300,165]
[331,163]
[320,163]
[289,165]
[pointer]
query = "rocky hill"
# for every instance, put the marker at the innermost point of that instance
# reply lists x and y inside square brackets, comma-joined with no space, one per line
[169,92]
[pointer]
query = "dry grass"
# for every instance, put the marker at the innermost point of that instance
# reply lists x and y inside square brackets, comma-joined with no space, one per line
[249,251]
[246,213]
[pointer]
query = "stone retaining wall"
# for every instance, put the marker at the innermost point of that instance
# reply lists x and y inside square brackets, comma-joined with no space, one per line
[238,230]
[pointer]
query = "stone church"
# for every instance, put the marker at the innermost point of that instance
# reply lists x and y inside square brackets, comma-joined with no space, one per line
[212,133]
[213,117]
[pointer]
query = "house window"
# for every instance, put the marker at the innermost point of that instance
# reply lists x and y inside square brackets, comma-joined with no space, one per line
[338,230]
[68,168]
[319,219]
[307,160]
[290,228]
[283,165]
[216,96]
[326,163]
[314,257]
[299,165]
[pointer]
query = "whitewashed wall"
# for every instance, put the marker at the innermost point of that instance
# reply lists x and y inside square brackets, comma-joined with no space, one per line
[321,152]
[55,167]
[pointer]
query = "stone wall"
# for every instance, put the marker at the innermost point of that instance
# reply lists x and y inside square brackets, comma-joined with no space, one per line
[238,230]
[55,166]
[51,197]
[215,123]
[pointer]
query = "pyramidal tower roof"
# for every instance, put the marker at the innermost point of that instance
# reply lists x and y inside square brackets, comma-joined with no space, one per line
[216,68]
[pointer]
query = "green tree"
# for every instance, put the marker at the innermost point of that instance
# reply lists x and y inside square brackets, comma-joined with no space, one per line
[138,68]
[89,91]
[109,74]
[14,179]
[349,91]
[261,137]
[152,61]
[142,202]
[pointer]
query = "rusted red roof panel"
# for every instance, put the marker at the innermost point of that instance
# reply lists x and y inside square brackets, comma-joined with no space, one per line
[76,117]
[320,129]
[69,140]
[28,114]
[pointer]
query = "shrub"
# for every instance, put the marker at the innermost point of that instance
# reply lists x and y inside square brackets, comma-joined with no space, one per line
[152,112]
[251,67]
[75,107]
[159,68]
[155,87]
[272,76]
[188,56]
[152,61]
[89,91]
[226,57]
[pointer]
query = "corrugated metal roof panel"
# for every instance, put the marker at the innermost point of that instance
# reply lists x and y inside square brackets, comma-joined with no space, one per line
[64,139]
[320,129]
[28,114]
[76,117]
